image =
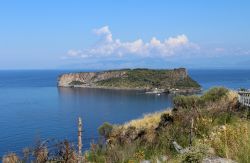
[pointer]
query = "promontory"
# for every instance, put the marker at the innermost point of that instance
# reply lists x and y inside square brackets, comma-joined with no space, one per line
[166,80]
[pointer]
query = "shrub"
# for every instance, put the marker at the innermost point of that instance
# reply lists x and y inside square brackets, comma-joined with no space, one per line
[214,94]
[105,129]
[41,154]
[186,102]
[95,154]
[165,120]
[196,153]
[67,152]
[192,157]
[225,118]
[203,127]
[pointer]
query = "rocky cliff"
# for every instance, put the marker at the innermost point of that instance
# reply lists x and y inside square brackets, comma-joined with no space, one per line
[87,78]
[130,78]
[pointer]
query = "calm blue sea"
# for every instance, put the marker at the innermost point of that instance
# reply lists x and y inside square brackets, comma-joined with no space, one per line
[32,107]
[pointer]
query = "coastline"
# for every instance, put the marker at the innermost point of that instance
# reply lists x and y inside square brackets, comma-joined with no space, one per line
[104,87]
[144,90]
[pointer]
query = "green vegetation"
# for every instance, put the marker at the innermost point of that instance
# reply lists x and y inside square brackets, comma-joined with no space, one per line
[215,94]
[76,83]
[147,78]
[105,129]
[220,129]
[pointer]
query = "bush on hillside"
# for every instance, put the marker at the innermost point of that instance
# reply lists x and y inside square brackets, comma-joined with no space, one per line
[185,102]
[189,102]
[195,154]
[214,94]
[105,129]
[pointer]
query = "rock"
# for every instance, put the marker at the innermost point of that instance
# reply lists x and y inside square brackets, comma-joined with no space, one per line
[179,148]
[162,159]
[88,77]
[217,160]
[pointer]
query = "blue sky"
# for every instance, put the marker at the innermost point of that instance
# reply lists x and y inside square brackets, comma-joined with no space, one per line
[108,34]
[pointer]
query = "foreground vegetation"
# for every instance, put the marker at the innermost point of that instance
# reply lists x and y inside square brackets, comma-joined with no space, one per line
[207,126]
[211,125]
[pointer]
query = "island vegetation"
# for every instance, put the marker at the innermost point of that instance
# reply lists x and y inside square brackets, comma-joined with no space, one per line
[146,78]
[212,126]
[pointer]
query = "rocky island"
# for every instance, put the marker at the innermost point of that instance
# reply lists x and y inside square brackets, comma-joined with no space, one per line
[151,80]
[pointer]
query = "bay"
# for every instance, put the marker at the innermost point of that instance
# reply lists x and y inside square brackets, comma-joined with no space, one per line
[33,108]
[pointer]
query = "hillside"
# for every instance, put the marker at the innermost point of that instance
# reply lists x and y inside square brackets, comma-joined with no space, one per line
[131,79]
[210,128]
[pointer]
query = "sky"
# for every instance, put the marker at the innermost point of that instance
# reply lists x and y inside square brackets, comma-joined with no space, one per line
[109,34]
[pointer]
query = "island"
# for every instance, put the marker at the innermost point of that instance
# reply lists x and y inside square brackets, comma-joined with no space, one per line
[149,80]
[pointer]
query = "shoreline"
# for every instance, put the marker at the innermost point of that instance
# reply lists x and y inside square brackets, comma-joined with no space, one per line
[145,90]
[103,87]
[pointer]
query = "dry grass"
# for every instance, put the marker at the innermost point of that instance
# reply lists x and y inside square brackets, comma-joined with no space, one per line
[148,121]
[232,95]
[11,158]
[231,141]
[41,154]
[218,130]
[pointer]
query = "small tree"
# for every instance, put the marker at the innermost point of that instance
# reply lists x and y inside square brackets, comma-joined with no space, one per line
[105,129]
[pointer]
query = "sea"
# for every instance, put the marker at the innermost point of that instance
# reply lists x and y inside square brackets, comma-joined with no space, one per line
[33,109]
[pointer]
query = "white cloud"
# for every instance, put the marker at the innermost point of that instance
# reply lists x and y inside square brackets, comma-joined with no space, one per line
[105,32]
[74,53]
[108,46]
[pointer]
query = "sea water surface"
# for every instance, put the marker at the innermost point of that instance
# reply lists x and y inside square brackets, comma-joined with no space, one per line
[33,108]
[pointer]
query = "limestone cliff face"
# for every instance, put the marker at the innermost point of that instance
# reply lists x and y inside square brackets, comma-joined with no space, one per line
[88,78]
[130,78]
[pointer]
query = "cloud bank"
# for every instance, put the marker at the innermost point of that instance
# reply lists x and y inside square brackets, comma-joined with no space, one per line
[178,51]
[107,46]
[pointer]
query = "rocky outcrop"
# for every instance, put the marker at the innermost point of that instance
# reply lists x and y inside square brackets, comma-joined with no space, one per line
[217,160]
[88,78]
